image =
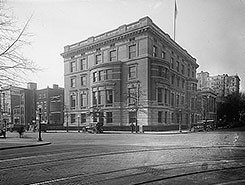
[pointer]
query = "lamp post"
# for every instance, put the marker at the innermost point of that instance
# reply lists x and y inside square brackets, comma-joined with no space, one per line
[78,119]
[180,120]
[40,125]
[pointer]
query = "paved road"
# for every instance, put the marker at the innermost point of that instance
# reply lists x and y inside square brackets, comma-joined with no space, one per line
[77,158]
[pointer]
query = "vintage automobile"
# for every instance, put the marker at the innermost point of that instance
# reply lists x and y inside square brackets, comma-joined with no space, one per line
[94,127]
[203,125]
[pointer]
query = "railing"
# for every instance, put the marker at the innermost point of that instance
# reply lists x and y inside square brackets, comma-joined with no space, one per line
[122,29]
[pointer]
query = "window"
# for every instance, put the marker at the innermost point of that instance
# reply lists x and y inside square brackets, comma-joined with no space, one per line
[172,79]
[183,83]
[98,59]
[83,80]
[109,97]
[83,118]
[83,64]
[101,97]
[101,75]
[83,100]
[73,82]
[132,95]
[183,69]
[178,81]
[159,116]
[73,101]
[132,72]
[113,55]
[73,66]
[73,118]
[94,98]
[172,99]
[163,54]
[94,76]
[172,62]
[154,54]
[177,66]
[177,100]
[159,95]
[108,74]
[166,117]
[182,100]
[109,117]
[165,96]
[132,51]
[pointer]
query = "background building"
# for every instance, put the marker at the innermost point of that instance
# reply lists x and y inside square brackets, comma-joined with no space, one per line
[135,72]
[52,102]
[223,85]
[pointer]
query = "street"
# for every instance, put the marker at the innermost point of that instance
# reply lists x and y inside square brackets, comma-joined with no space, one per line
[216,157]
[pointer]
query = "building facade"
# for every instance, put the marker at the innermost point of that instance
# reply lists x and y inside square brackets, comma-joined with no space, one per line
[51,101]
[18,105]
[133,73]
[223,85]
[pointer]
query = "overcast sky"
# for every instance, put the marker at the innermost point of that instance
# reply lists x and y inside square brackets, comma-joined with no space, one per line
[212,31]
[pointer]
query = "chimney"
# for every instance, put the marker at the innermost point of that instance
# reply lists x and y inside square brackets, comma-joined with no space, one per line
[55,86]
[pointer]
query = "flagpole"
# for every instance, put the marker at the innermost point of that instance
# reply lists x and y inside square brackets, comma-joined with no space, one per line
[175,16]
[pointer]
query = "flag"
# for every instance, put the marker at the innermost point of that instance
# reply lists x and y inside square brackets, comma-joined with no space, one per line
[175,16]
[175,10]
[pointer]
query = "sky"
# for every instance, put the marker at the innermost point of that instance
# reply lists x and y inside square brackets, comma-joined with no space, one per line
[212,31]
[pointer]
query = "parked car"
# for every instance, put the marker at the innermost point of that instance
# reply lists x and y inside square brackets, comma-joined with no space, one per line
[94,127]
[203,125]
[2,130]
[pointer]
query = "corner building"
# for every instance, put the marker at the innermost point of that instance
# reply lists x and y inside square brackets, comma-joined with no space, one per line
[139,58]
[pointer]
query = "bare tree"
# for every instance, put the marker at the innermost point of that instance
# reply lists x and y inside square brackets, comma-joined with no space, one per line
[14,67]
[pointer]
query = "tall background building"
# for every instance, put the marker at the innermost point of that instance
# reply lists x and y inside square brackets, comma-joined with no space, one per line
[133,73]
[223,85]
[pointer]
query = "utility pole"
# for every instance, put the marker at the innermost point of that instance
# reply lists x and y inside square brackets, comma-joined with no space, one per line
[40,125]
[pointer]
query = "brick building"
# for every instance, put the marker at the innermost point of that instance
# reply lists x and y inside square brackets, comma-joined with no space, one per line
[52,102]
[133,72]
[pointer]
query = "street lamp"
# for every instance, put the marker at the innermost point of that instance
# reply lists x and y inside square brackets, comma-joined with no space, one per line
[180,120]
[40,125]
[78,119]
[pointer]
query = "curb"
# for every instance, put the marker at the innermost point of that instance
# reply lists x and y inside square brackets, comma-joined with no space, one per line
[25,146]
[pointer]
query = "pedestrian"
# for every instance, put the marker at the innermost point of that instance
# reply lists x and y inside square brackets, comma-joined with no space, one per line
[132,127]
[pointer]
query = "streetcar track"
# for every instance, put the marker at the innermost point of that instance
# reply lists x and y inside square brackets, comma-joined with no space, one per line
[92,176]
[106,154]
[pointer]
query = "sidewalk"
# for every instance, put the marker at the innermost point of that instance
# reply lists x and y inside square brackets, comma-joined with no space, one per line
[13,141]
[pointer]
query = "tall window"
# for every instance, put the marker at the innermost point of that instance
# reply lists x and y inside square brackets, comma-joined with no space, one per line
[159,116]
[83,80]
[172,79]
[172,62]
[159,95]
[73,118]
[132,95]
[178,81]
[108,74]
[98,59]
[172,99]
[166,117]
[109,97]
[73,66]
[113,55]
[83,100]
[101,97]
[163,54]
[73,101]
[165,96]
[177,66]
[183,69]
[177,100]
[94,76]
[154,51]
[101,75]
[109,117]
[94,98]
[83,118]
[83,64]
[132,51]
[73,82]
[132,72]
